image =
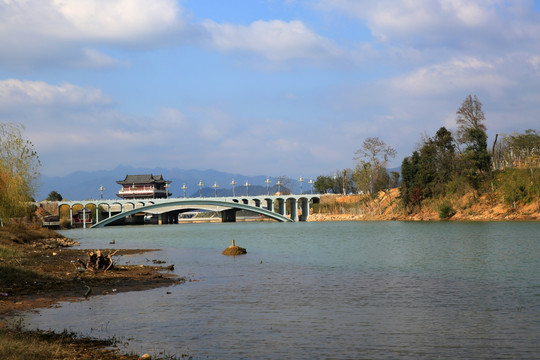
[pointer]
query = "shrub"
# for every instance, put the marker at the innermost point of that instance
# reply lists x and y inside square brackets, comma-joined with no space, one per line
[446,211]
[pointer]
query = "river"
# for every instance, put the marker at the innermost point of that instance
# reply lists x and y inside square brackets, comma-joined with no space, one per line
[342,290]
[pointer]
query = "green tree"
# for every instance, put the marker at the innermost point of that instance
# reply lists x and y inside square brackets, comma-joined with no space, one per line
[436,163]
[19,171]
[323,184]
[426,173]
[427,169]
[476,153]
[362,177]
[340,183]
[410,191]
[54,196]
[445,157]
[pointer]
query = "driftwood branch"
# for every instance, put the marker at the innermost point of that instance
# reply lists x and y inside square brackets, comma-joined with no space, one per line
[98,261]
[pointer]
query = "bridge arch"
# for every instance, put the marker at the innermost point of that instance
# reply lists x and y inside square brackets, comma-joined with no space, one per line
[280,207]
[195,203]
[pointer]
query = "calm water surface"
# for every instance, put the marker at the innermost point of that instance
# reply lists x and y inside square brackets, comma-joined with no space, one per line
[352,290]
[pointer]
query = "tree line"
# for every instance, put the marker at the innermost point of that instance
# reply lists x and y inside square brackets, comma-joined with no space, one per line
[446,162]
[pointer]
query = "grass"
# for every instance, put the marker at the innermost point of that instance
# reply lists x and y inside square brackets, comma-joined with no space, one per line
[13,276]
[24,234]
[7,254]
[12,273]
[18,344]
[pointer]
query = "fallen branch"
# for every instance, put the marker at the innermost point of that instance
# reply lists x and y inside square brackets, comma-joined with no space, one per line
[97,261]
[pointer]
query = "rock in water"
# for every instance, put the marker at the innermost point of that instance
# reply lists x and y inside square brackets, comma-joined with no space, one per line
[234,250]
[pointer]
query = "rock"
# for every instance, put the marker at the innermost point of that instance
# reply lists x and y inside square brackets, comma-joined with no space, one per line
[234,250]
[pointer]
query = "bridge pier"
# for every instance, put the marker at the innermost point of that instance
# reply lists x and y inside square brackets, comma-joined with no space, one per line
[270,205]
[304,205]
[228,215]
[293,205]
[281,207]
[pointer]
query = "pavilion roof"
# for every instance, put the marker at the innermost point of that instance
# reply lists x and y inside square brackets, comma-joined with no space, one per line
[143,179]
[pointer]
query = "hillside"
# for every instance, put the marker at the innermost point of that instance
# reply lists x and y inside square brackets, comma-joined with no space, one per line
[509,195]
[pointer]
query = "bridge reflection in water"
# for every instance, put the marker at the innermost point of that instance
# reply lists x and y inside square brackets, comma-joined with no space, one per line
[284,208]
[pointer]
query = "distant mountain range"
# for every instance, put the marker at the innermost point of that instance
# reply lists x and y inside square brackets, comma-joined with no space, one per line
[82,185]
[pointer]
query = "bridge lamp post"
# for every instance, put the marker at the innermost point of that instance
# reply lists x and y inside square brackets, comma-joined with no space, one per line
[101,189]
[247,187]
[184,187]
[215,186]
[311,184]
[166,191]
[279,186]
[200,184]
[267,186]
[233,183]
[301,180]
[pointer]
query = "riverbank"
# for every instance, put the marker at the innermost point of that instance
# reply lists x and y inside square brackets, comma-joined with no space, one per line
[38,268]
[387,206]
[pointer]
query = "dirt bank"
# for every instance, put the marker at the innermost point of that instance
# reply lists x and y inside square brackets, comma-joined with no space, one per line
[387,206]
[54,275]
[39,269]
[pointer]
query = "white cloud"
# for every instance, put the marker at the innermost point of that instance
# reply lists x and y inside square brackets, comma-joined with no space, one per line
[275,40]
[120,20]
[172,119]
[466,74]
[14,93]
[91,58]
[445,23]
[65,33]
[94,20]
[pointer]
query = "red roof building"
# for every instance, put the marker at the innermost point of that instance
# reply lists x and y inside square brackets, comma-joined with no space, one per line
[146,186]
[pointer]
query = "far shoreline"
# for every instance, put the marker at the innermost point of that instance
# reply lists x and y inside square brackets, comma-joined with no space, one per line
[387,206]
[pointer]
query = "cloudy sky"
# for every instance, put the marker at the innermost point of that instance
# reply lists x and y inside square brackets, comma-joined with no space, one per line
[270,87]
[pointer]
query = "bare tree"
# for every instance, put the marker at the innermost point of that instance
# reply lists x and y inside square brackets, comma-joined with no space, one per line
[469,116]
[373,156]
[472,133]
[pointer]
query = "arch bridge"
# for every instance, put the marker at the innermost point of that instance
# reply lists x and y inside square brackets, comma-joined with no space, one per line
[283,208]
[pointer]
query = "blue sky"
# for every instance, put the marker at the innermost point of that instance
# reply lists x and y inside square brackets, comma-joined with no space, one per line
[258,87]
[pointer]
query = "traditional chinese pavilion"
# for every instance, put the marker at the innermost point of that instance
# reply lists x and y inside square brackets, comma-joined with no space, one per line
[146,186]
